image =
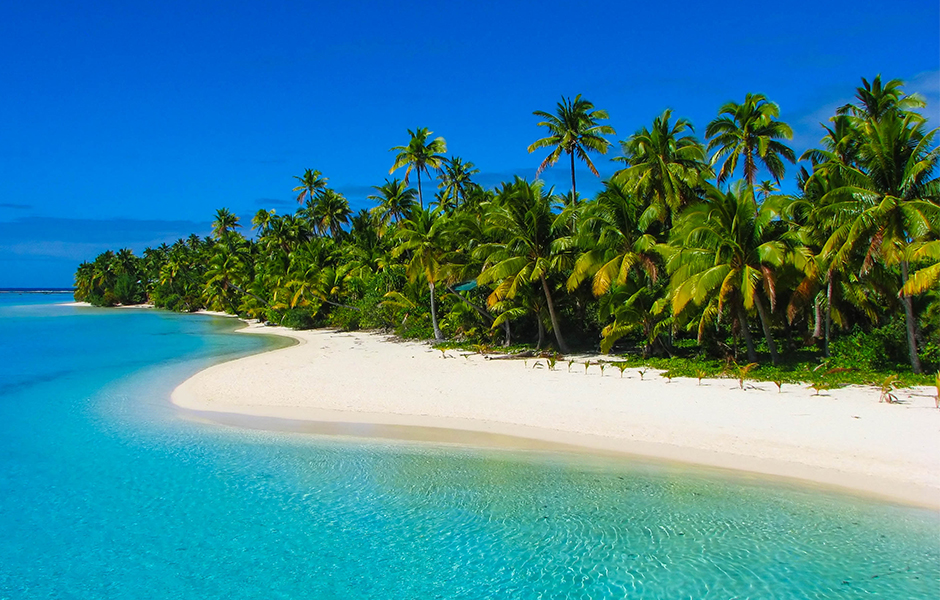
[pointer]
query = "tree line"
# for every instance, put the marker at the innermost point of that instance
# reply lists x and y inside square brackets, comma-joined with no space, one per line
[688,249]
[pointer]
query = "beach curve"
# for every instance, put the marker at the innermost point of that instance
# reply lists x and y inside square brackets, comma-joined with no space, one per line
[365,384]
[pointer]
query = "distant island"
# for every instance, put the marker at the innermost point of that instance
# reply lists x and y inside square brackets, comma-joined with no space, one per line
[690,257]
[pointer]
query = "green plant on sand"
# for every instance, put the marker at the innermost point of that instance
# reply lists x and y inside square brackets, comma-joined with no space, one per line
[887,390]
[743,370]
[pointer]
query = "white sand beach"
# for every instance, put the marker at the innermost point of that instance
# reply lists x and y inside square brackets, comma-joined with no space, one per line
[844,438]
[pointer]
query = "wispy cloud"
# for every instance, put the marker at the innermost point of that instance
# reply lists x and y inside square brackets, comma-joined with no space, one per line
[927,84]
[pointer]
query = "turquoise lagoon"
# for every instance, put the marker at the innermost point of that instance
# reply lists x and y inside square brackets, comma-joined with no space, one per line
[106,491]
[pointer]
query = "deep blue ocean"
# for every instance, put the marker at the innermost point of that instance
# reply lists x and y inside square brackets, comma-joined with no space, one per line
[108,491]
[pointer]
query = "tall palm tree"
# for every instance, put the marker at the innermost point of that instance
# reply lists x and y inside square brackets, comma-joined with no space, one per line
[523,219]
[749,132]
[891,201]
[395,200]
[724,250]
[615,253]
[420,155]
[455,180]
[311,183]
[574,130]
[665,166]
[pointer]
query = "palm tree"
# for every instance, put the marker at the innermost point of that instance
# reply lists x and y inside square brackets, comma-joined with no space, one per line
[523,219]
[574,130]
[225,270]
[614,245]
[723,250]
[616,252]
[329,212]
[665,166]
[891,201]
[419,154]
[225,222]
[395,200]
[747,133]
[262,220]
[455,180]
[875,100]
[84,281]
[311,183]
[422,237]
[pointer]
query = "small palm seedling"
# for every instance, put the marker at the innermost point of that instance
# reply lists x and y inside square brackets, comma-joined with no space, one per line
[443,352]
[587,365]
[820,386]
[701,374]
[602,366]
[779,384]
[622,365]
[537,364]
[887,390]
[743,371]
[570,364]
[551,360]
[668,376]
[642,372]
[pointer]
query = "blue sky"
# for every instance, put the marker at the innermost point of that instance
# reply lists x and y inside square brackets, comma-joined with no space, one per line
[126,124]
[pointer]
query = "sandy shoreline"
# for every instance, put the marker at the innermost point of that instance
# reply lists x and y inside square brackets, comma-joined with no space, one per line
[363,384]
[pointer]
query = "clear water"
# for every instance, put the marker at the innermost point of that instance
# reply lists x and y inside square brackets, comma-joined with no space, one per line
[105,492]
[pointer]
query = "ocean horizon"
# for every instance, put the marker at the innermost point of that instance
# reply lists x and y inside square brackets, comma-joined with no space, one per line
[109,490]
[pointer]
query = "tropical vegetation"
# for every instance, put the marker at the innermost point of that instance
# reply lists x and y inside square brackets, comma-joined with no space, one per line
[673,260]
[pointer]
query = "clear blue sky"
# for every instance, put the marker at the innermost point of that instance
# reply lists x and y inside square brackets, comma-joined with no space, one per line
[128,123]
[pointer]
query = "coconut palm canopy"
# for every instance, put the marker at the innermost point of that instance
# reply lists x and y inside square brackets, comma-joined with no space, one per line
[574,130]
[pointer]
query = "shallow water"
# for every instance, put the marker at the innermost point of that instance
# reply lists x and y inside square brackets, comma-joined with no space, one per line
[106,492]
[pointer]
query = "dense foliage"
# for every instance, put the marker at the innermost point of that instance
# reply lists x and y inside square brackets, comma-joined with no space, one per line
[674,257]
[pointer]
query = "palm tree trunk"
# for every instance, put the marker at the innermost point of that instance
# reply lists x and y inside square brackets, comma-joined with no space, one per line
[746,334]
[765,325]
[817,317]
[508,341]
[562,346]
[538,320]
[420,197]
[909,318]
[574,190]
[437,330]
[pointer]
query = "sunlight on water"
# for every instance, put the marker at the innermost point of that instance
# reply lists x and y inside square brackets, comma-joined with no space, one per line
[105,492]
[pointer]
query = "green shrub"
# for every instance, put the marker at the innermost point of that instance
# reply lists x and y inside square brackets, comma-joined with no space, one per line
[416,326]
[345,318]
[106,299]
[882,348]
[298,318]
